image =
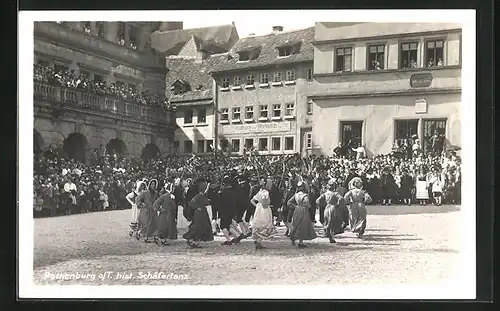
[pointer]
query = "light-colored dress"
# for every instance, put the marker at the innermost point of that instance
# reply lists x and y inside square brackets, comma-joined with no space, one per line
[262,221]
[302,227]
[421,184]
[355,199]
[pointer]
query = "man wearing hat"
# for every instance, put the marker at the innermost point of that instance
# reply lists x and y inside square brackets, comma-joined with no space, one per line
[242,188]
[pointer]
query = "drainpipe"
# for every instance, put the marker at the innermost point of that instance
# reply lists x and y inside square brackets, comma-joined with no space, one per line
[216,114]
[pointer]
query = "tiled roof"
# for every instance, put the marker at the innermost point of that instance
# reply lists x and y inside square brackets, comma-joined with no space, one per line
[269,52]
[216,39]
[196,74]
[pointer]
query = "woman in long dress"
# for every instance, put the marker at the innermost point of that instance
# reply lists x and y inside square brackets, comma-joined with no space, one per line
[333,215]
[166,226]
[262,221]
[422,194]
[302,227]
[200,228]
[147,214]
[134,220]
[355,199]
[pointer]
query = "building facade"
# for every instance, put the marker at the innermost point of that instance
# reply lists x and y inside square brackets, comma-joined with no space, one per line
[109,52]
[260,92]
[189,85]
[378,84]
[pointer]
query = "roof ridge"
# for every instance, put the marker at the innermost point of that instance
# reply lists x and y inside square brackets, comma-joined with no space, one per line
[278,34]
[197,28]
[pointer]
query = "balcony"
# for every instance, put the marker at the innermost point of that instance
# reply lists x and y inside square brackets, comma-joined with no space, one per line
[83,100]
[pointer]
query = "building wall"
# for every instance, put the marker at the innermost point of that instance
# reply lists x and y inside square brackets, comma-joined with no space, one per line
[265,96]
[195,131]
[378,115]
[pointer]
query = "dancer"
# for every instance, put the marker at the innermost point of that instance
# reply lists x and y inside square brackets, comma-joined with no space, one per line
[331,201]
[134,227]
[200,228]
[287,213]
[356,198]
[262,222]
[166,226]
[302,227]
[146,213]
[254,188]
[227,209]
[242,202]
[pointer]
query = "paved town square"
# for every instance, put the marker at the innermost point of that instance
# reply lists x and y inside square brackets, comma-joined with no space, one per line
[411,245]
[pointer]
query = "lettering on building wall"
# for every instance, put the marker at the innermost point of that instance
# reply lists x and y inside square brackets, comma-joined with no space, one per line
[256,128]
[421,80]
[421,105]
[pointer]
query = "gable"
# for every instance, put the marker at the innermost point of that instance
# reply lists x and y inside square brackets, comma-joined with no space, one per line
[190,48]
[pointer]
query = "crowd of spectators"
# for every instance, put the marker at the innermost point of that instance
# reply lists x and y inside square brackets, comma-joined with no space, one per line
[69,79]
[66,186]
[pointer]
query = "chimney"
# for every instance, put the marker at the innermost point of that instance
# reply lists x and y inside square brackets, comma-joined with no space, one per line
[277,29]
[201,55]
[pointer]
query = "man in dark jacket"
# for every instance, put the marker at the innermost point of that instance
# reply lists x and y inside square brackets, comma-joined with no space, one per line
[227,211]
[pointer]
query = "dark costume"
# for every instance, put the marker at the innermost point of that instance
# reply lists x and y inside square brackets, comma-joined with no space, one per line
[200,228]
[166,225]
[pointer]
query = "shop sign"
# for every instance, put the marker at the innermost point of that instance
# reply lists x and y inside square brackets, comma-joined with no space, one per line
[283,126]
[420,80]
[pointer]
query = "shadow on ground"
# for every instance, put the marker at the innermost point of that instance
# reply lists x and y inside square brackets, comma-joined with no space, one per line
[409,210]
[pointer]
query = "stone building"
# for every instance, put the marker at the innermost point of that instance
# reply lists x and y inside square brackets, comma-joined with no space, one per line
[380,83]
[261,92]
[113,52]
[189,85]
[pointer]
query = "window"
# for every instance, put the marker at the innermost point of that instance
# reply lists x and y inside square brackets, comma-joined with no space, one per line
[263,144]
[248,143]
[225,114]
[237,81]
[434,135]
[236,114]
[179,89]
[405,129]
[121,33]
[224,143]
[309,141]
[188,146]
[244,56]
[408,57]
[351,133]
[309,107]
[285,51]
[225,82]
[288,143]
[98,78]
[176,146]
[290,75]
[235,145]
[277,111]
[188,116]
[264,78]
[250,80]
[210,145]
[249,112]
[132,36]
[86,27]
[309,74]
[376,57]
[263,111]
[202,115]
[276,143]
[435,53]
[201,146]
[289,111]
[277,77]
[100,29]
[343,61]
[58,68]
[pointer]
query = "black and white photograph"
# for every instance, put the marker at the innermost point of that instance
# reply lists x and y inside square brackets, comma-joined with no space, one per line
[247,154]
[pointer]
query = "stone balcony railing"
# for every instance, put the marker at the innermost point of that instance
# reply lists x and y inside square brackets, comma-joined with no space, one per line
[82,99]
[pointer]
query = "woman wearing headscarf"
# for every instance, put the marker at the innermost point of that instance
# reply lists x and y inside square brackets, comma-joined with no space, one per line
[333,215]
[387,186]
[407,185]
[422,194]
[147,214]
[166,225]
[200,228]
[134,220]
[262,221]
[355,199]
[302,227]
[287,213]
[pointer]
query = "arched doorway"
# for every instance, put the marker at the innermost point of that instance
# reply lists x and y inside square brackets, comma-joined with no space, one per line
[38,143]
[150,151]
[74,146]
[117,146]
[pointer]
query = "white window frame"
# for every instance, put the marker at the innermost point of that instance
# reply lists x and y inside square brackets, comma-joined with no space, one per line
[249,109]
[310,105]
[264,77]
[261,118]
[272,143]
[192,116]
[289,110]
[277,81]
[198,116]
[224,112]
[202,144]
[232,145]
[290,75]
[293,143]
[267,144]
[245,142]
[225,84]
[236,83]
[276,107]
[249,85]
[343,54]
[285,49]
[236,110]
[309,141]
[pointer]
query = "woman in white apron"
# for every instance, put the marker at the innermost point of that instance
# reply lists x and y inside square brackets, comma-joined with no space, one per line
[302,227]
[422,194]
[262,221]
[134,227]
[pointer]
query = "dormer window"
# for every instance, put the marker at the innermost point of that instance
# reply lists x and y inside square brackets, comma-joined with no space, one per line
[287,50]
[248,55]
[244,56]
[180,87]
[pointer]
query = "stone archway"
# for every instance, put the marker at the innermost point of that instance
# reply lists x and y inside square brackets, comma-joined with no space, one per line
[150,151]
[38,143]
[117,146]
[75,146]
